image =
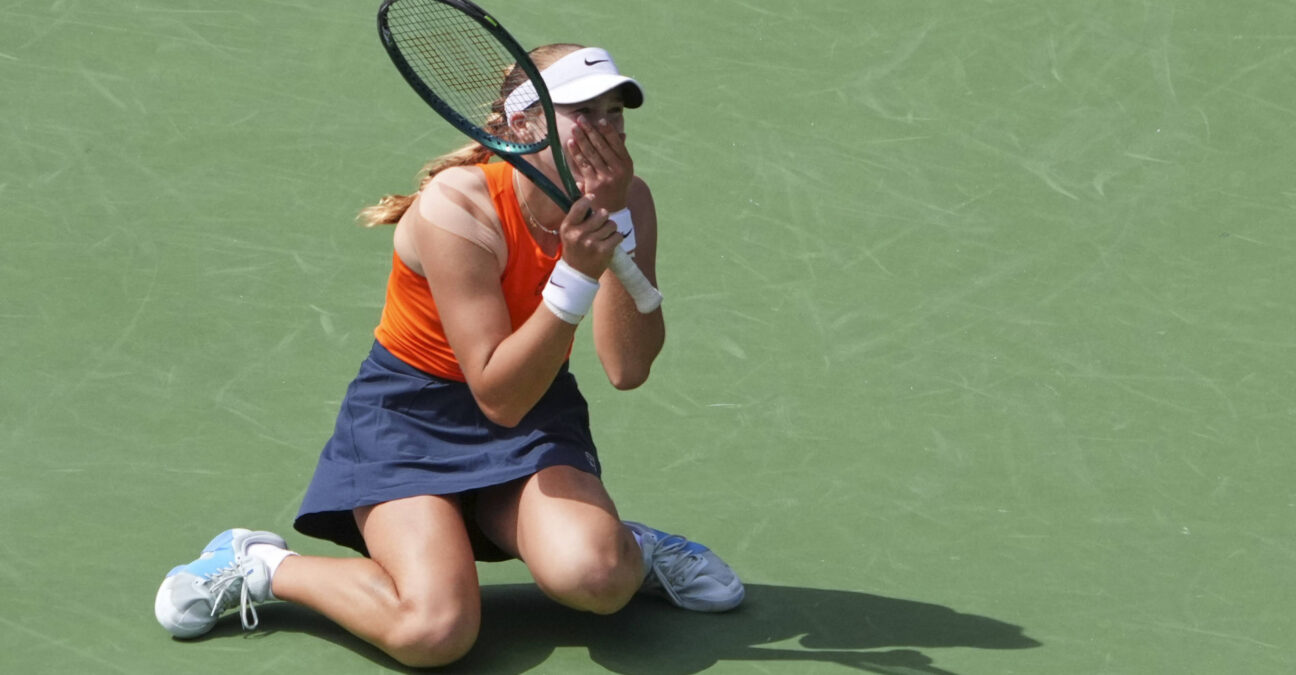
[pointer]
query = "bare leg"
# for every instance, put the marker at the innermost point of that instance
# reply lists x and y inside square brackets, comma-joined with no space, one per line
[563,525]
[416,598]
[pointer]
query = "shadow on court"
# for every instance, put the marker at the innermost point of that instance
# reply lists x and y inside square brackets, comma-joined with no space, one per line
[521,628]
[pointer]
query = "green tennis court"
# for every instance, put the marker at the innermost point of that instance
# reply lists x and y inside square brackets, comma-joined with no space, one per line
[982,321]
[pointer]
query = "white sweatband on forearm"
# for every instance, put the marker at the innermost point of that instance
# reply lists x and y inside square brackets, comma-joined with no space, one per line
[624,225]
[569,293]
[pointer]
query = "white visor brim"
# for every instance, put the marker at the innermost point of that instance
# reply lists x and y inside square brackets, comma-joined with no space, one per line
[579,76]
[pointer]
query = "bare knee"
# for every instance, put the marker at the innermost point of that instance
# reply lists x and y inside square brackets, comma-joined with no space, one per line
[599,580]
[430,638]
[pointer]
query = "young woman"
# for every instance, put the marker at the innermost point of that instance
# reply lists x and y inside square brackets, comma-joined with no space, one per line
[464,437]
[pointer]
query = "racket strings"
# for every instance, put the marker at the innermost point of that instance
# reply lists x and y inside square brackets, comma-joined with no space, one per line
[456,58]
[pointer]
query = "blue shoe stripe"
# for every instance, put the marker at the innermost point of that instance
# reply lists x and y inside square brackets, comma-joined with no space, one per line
[223,540]
[217,555]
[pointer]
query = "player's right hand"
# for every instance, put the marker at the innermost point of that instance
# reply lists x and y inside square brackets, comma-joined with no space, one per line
[588,238]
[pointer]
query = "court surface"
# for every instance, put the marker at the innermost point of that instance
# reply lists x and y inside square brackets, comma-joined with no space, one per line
[982,351]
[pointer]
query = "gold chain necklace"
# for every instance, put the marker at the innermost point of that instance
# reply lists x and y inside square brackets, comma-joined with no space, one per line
[526,208]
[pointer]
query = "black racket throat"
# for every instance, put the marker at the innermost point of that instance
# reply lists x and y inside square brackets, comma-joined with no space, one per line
[540,180]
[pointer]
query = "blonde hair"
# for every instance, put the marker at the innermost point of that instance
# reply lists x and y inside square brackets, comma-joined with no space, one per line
[390,208]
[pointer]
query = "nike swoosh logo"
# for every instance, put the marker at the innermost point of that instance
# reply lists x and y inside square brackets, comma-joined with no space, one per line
[595,63]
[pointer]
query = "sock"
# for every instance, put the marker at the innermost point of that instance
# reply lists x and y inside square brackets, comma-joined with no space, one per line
[272,556]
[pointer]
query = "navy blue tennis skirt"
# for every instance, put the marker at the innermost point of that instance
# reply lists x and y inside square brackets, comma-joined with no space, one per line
[402,432]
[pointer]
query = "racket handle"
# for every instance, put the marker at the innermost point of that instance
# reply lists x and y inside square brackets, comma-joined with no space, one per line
[646,297]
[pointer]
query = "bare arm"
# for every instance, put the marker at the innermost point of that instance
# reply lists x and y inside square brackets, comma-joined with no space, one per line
[626,341]
[508,371]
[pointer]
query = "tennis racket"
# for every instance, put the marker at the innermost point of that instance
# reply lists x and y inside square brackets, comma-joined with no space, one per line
[456,56]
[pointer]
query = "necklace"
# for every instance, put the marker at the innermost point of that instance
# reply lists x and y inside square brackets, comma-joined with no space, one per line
[526,208]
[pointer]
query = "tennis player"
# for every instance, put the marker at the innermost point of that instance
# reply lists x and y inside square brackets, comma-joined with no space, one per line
[464,437]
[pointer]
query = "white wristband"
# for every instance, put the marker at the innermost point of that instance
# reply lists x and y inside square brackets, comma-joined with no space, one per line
[569,293]
[624,225]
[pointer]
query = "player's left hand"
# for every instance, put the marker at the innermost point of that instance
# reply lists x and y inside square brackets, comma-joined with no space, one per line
[600,163]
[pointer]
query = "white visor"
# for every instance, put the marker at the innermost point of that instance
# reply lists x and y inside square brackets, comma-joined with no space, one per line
[579,76]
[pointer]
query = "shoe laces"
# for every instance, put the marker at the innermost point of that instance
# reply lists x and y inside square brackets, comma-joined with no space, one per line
[221,585]
[676,562]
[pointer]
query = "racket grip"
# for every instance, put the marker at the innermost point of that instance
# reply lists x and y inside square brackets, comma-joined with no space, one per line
[646,297]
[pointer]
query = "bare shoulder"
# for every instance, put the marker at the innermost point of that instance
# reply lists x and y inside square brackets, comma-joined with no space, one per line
[453,210]
[453,182]
[456,194]
[463,176]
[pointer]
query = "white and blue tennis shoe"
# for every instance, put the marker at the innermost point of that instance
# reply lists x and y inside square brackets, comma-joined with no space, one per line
[193,596]
[686,572]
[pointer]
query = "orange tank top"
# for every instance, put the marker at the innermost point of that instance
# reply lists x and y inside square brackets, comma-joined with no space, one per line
[411,328]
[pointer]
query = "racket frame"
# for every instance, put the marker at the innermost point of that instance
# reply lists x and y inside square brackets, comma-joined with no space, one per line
[646,296]
[509,151]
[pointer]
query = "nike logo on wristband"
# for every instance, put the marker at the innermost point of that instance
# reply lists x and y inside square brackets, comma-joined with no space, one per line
[556,284]
[595,63]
